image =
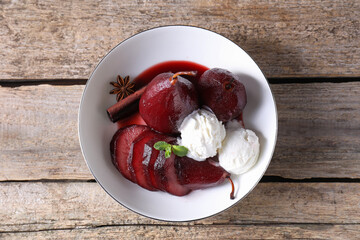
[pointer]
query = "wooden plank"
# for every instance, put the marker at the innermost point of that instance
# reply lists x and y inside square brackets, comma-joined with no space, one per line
[66,39]
[297,231]
[34,206]
[38,132]
[318,132]
[319,129]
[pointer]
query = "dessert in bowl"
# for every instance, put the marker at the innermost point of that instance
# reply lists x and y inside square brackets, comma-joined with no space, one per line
[184,47]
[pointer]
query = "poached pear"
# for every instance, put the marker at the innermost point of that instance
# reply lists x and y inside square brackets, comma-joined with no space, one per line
[223,92]
[167,100]
[138,161]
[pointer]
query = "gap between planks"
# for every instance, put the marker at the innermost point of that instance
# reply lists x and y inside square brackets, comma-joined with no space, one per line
[264,179]
[279,231]
[66,82]
[196,225]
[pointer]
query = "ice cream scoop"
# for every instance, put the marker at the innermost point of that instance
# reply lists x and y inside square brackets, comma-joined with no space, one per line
[240,149]
[202,133]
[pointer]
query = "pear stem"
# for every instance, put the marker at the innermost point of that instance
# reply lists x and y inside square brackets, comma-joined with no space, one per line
[174,77]
[228,85]
[232,196]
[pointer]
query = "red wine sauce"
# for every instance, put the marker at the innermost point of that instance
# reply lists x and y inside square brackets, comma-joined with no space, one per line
[170,66]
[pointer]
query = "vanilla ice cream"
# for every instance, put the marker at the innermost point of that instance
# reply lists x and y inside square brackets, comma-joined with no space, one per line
[202,133]
[240,149]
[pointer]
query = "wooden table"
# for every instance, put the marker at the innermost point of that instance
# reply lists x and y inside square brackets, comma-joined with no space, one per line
[309,51]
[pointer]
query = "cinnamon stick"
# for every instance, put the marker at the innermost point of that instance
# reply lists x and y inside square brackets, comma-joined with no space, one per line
[126,106]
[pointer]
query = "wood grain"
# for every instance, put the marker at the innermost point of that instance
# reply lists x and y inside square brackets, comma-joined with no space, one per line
[318,132]
[319,129]
[66,39]
[38,132]
[35,206]
[46,189]
[295,231]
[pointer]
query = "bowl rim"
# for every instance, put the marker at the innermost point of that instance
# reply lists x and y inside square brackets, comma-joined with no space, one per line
[82,99]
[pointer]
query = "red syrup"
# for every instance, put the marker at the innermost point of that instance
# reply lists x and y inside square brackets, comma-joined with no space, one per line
[170,66]
[146,76]
[241,119]
[133,119]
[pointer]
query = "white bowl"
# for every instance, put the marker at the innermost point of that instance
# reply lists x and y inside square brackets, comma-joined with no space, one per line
[133,56]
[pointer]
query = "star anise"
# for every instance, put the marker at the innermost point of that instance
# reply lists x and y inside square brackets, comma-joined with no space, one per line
[123,87]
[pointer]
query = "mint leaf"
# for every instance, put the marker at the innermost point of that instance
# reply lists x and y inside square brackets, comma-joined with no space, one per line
[168,151]
[161,145]
[180,151]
